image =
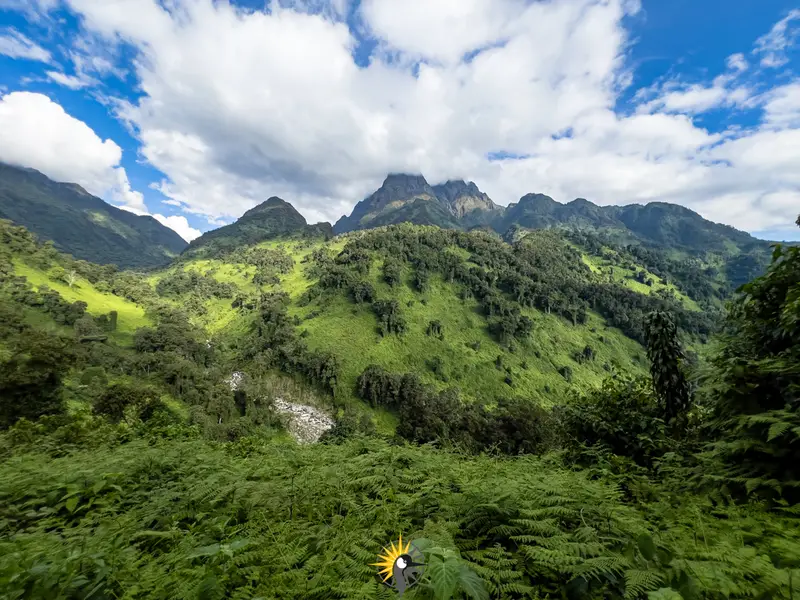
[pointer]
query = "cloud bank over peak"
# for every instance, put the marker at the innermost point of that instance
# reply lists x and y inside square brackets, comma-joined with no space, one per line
[316,100]
[36,132]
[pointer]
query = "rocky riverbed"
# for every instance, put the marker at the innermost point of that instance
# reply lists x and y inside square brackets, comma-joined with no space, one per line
[305,423]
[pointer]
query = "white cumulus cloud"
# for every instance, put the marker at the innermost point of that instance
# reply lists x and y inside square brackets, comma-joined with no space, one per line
[737,62]
[783,106]
[692,99]
[772,46]
[179,225]
[36,132]
[35,10]
[444,30]
[73,82]
[238,105]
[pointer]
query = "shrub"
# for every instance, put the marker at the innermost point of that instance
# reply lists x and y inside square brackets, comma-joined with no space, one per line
[621,417]
[435,329]
[94,376]
[349,425]
[437,366]
[514,426]
[392,271]
[118,397]
[390,320]
[30,382]
[362,292]
[754,385]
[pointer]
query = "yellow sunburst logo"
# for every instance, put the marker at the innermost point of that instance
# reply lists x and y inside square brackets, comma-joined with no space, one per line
[390,556]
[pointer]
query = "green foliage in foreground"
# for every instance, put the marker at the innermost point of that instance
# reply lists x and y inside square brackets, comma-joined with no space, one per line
[185,518]
[755,385]
[118,490]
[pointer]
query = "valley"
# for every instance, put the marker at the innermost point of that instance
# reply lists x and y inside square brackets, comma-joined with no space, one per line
[554,409]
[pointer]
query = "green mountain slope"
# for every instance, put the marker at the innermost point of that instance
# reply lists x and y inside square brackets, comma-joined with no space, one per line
[83,225]
[131,466]
[533,320]
[420,211]
[270,219]
[658,224]
[667,228]
[538,211]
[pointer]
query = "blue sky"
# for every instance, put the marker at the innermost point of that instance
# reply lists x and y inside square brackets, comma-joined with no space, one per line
[196,112]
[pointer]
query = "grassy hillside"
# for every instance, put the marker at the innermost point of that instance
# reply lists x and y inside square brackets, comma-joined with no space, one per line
[130,315]
[573,342]
[349,332]
[134,470]
[637,278]
[271,219]
[468,352]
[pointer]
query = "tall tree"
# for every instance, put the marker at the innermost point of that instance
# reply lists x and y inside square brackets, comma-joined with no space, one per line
[755,386]
[30,382]
[666,367]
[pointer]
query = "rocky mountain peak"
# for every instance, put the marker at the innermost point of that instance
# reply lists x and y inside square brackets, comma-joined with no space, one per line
[464,197]
[541,201]
[403,186]
[397,190]
[451,190]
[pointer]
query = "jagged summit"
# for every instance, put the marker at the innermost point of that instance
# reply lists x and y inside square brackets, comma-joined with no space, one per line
[452,189]
[409,197]
[397,191]
[460,204]
[467,202]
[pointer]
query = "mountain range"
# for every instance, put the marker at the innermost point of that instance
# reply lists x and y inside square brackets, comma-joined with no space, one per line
[460,204]
[83,225]
[89,228]
[409,198]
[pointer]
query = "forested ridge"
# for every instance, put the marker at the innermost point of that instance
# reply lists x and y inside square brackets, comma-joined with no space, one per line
[542,419]
[83,225]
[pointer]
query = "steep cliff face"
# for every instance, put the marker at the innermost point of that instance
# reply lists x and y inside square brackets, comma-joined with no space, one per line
[397,191]
[409,198]
[467,203]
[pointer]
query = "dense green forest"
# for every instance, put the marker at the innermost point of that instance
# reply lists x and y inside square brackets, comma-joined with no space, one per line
[83,225]
[564,416]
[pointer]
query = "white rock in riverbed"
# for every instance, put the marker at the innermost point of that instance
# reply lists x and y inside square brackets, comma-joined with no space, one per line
[235,380]
[305,423]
